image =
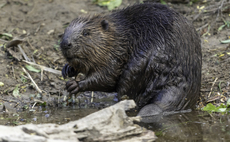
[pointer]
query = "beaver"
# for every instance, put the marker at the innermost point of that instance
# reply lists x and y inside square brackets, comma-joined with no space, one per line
[148,52]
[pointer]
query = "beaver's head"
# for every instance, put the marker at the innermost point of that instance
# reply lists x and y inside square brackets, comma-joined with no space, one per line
[88,42]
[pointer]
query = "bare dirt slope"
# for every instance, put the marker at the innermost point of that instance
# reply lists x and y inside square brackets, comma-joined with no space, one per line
[41,24]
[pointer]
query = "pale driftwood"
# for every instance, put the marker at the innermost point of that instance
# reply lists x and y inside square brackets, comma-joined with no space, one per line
[44,68]
[109,124]
[37,88]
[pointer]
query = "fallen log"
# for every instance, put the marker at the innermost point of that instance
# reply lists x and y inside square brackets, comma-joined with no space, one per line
[109,124]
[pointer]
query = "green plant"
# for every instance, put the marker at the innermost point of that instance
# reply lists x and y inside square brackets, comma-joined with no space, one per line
[226,23]
[224,109]
[23,79]
[30,68]
[25,107]
[6,36]
[163,2]
[225,41]
[16,93]
[111,4]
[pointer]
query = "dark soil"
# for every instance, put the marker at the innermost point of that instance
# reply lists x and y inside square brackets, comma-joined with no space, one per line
[41,24]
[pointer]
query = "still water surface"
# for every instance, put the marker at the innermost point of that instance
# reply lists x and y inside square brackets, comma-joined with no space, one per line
[192,127]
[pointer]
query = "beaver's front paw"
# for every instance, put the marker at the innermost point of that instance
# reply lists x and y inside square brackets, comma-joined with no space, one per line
[68,71]
[72,87]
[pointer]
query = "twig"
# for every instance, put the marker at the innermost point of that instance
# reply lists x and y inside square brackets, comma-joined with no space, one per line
[34,105]
[37,29]
[220,7]
[37,88]
[44,68]
[11,101]
[64,99]
[198,29]
[210,115]
[217,16]
[213,8]
[2,5]
[3,40]
[33,59]
[36,100]
[58,96]
[41,74]
[212,87]
[219,11]
[24,54]
[30,44]
[24,76]
[212,99]
[13,71]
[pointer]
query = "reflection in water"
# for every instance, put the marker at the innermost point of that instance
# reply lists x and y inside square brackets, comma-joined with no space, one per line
[52,115]
[193,126]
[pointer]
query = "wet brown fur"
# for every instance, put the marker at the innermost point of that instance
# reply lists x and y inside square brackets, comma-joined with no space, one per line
[146,51]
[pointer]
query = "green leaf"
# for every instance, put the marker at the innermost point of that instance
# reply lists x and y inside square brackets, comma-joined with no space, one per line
[114,3]
[111,4]
[104,3]
[43,104]
[221,110]
[7,34]
[209,107]
[163,2]
[25,107]
[30,68]
[225,41]
[23,79]
[228,110]
[16,92]
[56,47]
[221,27]
[228,24]
[228,102]
[35,51]
[221,106]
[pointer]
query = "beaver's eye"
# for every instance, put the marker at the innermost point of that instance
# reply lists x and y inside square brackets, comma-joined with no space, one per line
[86,32]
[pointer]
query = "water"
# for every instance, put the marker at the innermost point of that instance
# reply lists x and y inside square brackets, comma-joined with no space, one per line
[43,115]
[193,126]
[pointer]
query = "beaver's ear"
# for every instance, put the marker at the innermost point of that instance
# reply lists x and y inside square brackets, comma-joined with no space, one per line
[105,24]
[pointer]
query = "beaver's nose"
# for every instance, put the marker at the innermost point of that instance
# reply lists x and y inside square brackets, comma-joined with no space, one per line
[66,44]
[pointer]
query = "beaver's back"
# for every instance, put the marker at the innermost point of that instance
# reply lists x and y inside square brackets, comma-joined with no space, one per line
[165,53]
